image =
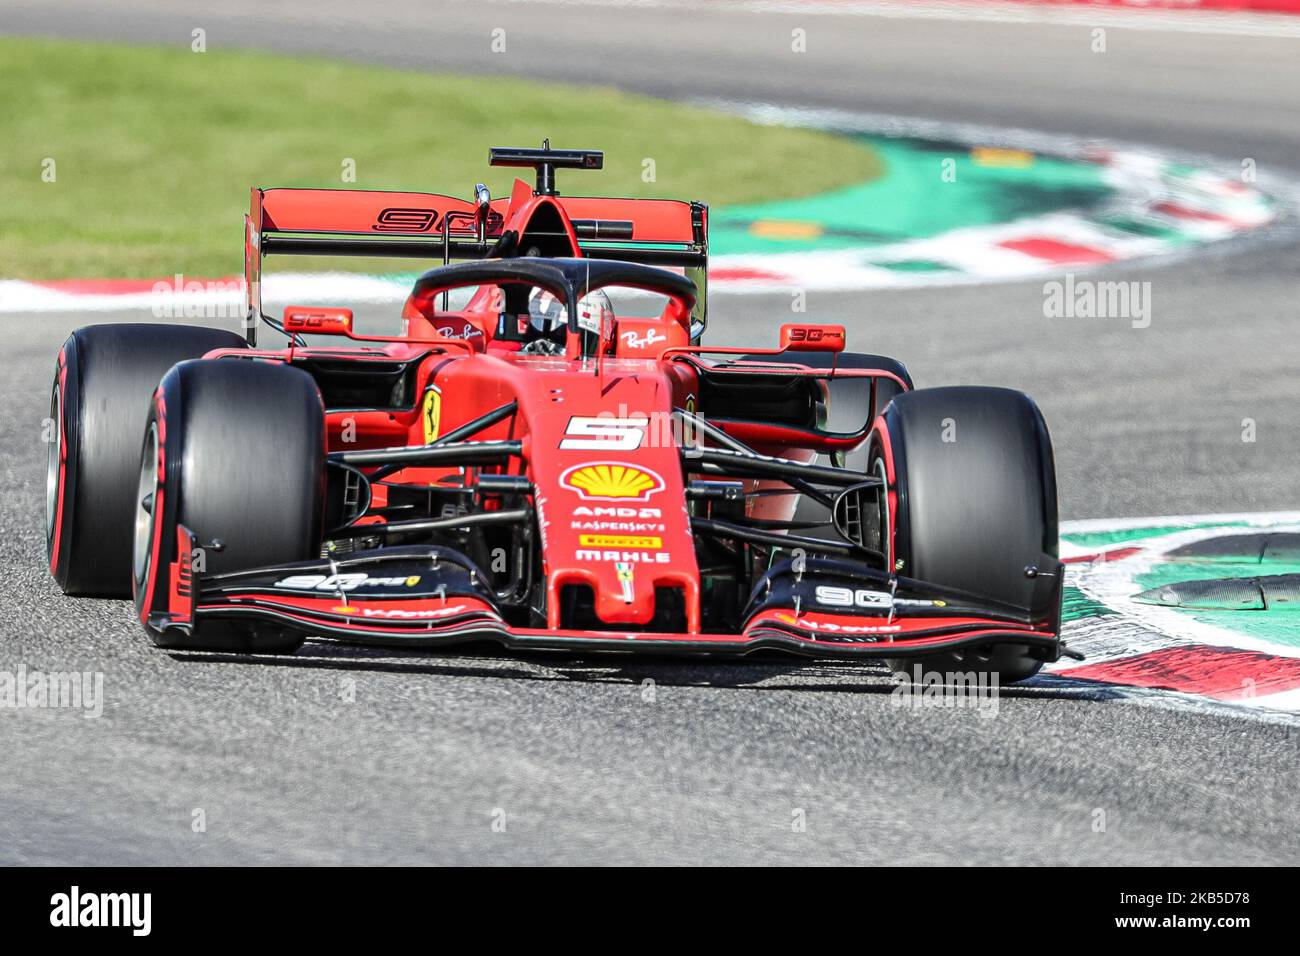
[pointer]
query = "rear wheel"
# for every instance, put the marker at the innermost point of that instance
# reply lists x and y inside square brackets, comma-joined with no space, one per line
[98,404]
[973,487]
[235,452]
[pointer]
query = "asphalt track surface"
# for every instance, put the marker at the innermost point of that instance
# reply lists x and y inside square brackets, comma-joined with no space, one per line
[712,769]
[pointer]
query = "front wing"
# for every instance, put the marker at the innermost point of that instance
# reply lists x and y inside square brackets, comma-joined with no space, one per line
[429,596]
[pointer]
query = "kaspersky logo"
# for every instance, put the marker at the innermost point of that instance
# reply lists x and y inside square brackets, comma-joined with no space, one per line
[609,480]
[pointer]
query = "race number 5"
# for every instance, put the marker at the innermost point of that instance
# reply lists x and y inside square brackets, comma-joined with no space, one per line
[586,433]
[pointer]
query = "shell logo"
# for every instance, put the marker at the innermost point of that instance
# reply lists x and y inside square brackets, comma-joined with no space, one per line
[611,479]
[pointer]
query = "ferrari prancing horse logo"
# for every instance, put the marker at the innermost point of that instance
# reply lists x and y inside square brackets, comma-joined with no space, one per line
[432,413]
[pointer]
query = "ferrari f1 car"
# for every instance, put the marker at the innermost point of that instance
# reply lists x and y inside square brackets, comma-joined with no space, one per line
[528,463]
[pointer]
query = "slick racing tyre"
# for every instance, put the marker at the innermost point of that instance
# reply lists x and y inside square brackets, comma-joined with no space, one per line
[234,450]
[103,382]
[973,486]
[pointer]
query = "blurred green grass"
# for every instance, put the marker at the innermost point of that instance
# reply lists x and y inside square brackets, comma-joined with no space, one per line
[154,148]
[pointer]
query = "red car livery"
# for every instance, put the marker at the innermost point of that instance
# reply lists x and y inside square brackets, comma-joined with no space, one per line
[544,454]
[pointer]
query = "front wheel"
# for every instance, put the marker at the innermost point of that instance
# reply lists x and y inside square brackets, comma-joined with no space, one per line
[972,505]
[234,451]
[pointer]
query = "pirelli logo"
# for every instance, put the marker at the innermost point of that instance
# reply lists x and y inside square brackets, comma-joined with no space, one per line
[620,541]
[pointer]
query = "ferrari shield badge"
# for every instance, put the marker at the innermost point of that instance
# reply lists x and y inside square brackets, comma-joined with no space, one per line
[432,413]
[624,570]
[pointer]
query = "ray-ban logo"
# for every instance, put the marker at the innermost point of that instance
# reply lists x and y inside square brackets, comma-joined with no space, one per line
[75,908]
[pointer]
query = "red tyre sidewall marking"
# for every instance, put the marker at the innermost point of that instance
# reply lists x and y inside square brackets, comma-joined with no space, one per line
[63,460]
[887,452]
[159,512]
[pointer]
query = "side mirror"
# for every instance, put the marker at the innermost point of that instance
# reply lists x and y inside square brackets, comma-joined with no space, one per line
[317,320]
[482,210]
[812,338]
[608,331]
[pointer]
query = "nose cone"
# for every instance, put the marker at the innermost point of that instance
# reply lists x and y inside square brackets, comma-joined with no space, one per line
[611,499]
[625,587]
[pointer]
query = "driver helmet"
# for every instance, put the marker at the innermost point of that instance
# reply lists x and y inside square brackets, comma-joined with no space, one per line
[548,318]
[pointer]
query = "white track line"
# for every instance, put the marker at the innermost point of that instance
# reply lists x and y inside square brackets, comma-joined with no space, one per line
[1221,23]
[1252,519]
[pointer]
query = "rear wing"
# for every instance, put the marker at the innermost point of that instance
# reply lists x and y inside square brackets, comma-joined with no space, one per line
[380,223]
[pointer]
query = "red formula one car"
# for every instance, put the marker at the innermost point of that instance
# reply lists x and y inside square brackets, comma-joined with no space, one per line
[530,463]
